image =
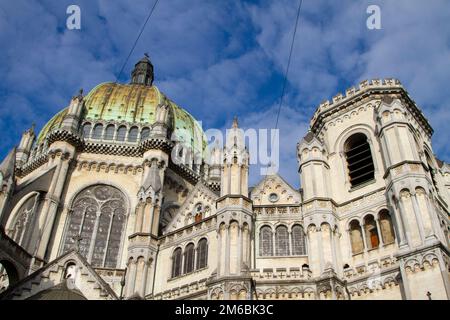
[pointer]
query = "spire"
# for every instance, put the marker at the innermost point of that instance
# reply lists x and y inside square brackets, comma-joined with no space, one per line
[235,122]
[33,126]
[143,72]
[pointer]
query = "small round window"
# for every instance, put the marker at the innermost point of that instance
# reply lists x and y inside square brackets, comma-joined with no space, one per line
[273,197]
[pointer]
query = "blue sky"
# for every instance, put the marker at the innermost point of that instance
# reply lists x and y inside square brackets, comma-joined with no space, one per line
[218,59]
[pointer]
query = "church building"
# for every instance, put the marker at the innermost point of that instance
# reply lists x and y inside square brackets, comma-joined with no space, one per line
[120,197]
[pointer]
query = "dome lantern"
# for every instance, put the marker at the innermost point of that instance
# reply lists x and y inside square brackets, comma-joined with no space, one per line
[143,72]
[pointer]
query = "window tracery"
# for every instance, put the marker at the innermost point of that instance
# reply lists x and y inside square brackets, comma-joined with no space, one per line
[98,216]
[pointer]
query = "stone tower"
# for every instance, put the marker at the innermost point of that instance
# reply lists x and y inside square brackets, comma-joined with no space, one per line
[234,222]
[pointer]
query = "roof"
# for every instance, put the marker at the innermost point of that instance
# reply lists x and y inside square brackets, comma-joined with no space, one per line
[135,104]
[58,292]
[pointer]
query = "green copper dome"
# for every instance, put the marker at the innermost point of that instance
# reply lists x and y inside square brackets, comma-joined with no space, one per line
[133,104]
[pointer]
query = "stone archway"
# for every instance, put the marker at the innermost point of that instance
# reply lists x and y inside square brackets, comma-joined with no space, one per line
[8,274]
[14,260]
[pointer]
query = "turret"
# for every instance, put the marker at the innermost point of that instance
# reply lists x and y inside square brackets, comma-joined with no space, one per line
[24,149]
[322,228]
[143,72]
[235,163]
[234,219]
[71,121]
[215,163]
[313,168]
[162,120]
[405,142]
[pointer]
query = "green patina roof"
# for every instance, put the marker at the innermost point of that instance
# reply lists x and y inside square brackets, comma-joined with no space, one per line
[133,104]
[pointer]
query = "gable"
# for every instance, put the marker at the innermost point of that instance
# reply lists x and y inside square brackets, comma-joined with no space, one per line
[277,186]
[83,280]
[200,197]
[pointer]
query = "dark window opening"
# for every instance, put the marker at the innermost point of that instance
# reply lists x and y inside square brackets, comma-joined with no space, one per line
[176,263]
[202,254]
[359,160]
[121,133]
[189,258]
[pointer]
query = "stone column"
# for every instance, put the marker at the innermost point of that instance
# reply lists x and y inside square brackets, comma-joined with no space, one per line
[363,231]
[156,210]
[321,255]
[240,243]
[131,277]
[333,249]
[139,217]
[51,203]
[399,225]
[434,219]
[227,249]
[219,244]
[148,215]
[380,233]
[418,216]
[406,227]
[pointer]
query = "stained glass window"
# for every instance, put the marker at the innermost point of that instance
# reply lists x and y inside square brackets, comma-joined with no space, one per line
[121,133]
[189,258]
[133,134]
[109,132]
[202,254]
[98,131]
[87,130]
[282,241]
[298,241]
[265,242]
[21,224]
[97,216]
[145,133]
[176,263]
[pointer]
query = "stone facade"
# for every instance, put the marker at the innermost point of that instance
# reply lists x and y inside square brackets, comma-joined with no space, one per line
[108,212]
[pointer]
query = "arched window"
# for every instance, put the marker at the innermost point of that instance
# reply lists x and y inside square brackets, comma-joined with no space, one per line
[97,218]
[298,241]
[21,227]
[371,232]
[98,131]
[189,253]
[356,237]
[202,254]
[387,228]
[109,132]
[359,159]
[282,241]
[87,130]
[145,133]
[265,241]
[121,133]
[176,263]
[133,134]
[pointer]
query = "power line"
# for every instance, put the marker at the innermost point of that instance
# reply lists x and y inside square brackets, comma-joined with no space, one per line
[285,79]
[289,62]
[137,39]
[280,104]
